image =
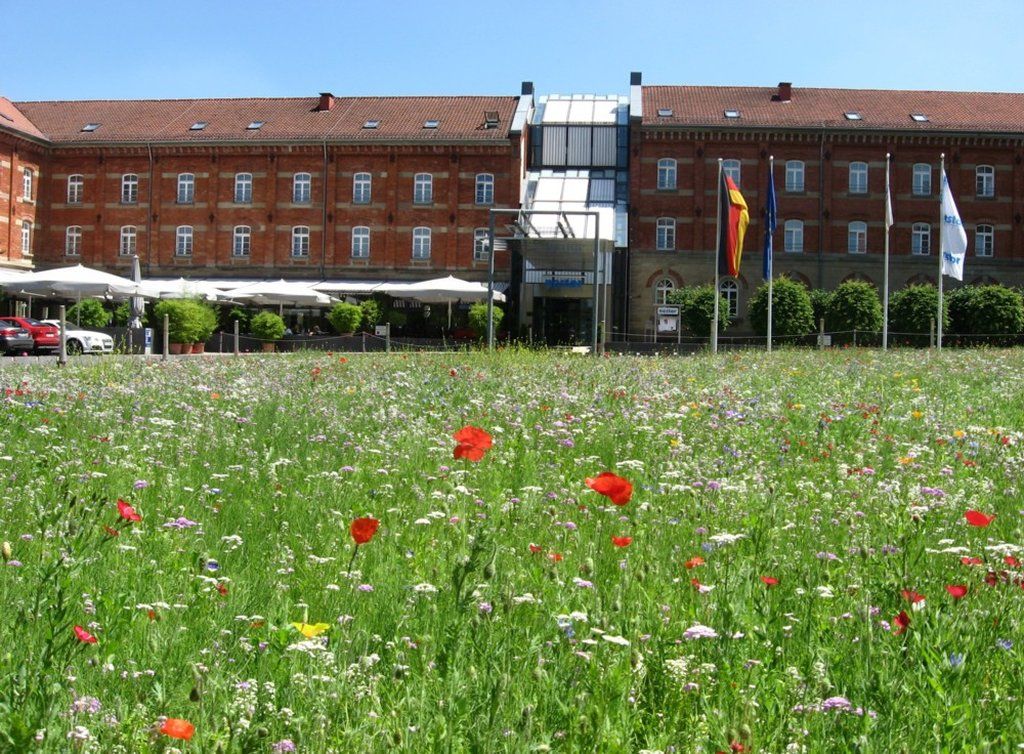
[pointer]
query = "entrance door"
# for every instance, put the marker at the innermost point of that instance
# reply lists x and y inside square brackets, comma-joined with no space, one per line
[563,321]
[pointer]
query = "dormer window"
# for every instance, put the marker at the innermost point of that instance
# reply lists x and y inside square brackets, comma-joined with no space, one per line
[431,123]
[90,127]
[256,125]
[919,117]
[664,112]
[732,113]
[853,115]
[199,125]
[371,124]
[491,119]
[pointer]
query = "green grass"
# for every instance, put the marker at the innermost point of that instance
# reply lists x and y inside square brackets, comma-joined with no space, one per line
[845,475]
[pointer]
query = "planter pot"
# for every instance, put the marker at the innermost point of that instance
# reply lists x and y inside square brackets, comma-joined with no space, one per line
[176,348]
[199,348]
[269,347]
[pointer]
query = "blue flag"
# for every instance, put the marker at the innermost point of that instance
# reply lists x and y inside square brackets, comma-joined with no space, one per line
[770,216]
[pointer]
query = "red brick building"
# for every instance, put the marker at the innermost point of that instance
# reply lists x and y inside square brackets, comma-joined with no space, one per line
[830,149]
[310,188]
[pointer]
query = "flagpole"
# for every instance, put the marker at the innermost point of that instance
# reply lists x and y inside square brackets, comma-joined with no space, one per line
[885,273]
[942,187]
[718,254]
[769,249]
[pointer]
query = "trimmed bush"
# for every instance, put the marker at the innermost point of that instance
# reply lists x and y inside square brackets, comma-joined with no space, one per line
[987,310]
[371,312]
[792,313]
[819,303]
[267,326]
[912,309]
[89,313]
[854,305]
[187,320]
[478,319]
[345,317]
[697,309]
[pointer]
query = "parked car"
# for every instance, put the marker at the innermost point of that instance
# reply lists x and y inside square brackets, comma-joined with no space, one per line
[45,337]
[84,341]
[15,339]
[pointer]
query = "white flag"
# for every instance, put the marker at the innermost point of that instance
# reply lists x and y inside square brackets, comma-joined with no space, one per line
[952,236]
[888,204]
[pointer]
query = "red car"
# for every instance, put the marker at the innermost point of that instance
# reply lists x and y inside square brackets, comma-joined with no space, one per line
[44,337]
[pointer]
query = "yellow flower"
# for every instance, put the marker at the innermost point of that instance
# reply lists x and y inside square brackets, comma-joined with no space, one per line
[309,630]
[917,414]
[674,442]
[906,460]
[959,433]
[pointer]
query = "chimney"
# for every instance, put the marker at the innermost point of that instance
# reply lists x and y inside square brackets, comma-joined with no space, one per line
[636,78]
[785,91]
[527,89]
[326,101]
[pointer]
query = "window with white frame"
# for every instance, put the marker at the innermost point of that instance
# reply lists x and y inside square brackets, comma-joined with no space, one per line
[421,243]
[985,181]
[666,234]
[794,176]
[921,239]
[26,184]
[423,188]
[793,236]
[484,188]
[666,174]
[922,182]
[183,241]
[243,188]
[302,188]
[241,245]
[662,289]
[984,240]
[26,238]
[481,239]
[127,245]
[186,188]
[361,242]
[76,188]
[73,241]
[362,188]
[731,169]
[730,291]
[129,188]
[300,242]
[858,178]
[857,237]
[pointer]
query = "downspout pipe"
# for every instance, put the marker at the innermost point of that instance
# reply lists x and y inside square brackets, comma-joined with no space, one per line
[821,211]
[323,225]
[149,214]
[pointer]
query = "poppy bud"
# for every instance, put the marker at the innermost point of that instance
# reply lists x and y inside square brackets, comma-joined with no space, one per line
[588,566]
[6,549]
[539,674]
[262,732]
[617,605]
[744,731]
[489,570]
[194,695]
[472,673]
[527,714]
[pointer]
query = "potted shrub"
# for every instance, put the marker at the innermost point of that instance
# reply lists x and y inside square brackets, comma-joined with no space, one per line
[478,319]
[184,323]
[345,318]
[89,313]
[268,327]
[206,325]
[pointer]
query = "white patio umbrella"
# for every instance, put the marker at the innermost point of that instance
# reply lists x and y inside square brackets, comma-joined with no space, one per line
[182,288]
[281,293]
[441,290]
[72,282]
[8,276]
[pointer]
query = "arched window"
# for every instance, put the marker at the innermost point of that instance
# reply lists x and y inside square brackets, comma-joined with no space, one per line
[243,188]
[76,185]
[129,234]
[985,180]
[984,240]
[361,242]
[858,178]
[921,239]
[362,188]
[730,291]
[922,185]
[666,173]
[73,241]
[302,188]
[793,241]
[481,239]
[666,235]
[662,289]
[423,188]
[421,243]
[794,176]
[242,241]
[186,188]
[183,241]
[484,188]
[731,168]
[857,237]
[300,242]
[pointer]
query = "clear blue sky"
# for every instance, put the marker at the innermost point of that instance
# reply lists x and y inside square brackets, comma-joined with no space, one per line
[227,48]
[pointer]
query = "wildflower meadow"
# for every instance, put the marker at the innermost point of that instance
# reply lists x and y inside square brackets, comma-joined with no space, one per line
[517,552]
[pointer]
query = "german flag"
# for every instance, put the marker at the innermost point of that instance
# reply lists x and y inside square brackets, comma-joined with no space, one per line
[732,210]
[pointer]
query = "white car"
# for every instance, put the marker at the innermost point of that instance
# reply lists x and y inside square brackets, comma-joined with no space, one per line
[84,341]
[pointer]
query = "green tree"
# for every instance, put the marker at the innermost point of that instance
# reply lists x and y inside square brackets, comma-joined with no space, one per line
[371,312]
[820,299]
[912,309]
[478,319]
[267,326]
[696,309]
[88,313]
[792,313]
[345,317]
[854,305]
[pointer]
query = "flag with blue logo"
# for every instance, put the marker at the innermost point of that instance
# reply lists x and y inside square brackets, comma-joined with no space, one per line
[770,217]
[952,236]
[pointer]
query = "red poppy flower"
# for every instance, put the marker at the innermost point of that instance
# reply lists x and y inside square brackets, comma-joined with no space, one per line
[957,590]
[991,579]
[84,636]
[977,518]
[971,561]
[127,512]
[555,557]
[902,621]
[693,562]
[473,443]
[769,580]
[535,548]
[151,614]
[177,728]
[222,589]
[612,486]
[1011,561]
[621,541]
[911,596]
[695,583]
[363,529]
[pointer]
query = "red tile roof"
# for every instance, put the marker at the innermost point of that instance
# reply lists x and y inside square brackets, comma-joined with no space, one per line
[11,117]
[704,106]
[284,119]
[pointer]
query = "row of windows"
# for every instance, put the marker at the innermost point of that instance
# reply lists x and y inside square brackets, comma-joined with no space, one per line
[728,287]
[302,188]
[857,182]
[857,237]
[242,241]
